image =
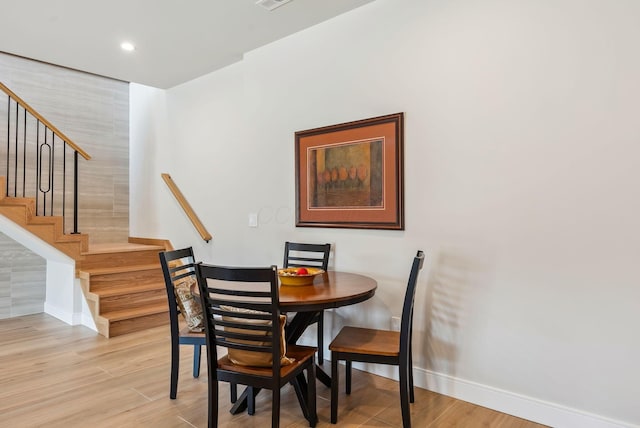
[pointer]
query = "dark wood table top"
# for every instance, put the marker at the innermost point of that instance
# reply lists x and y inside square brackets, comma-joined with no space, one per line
[332,289]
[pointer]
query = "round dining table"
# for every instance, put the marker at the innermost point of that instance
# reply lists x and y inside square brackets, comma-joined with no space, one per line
[330,289]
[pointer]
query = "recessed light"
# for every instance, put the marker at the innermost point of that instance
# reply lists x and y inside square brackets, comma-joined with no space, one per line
[127,46]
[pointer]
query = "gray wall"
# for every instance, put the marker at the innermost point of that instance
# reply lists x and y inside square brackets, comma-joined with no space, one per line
[92,111]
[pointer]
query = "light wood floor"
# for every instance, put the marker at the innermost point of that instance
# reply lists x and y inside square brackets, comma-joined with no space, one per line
[55,375]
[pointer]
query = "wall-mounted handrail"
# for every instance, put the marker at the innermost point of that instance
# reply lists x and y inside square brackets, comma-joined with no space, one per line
[186,207]
[44,121]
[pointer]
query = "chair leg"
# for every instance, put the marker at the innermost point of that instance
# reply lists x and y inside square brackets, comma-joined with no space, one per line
[299,384]
[334,387]
[311,394]
[404,396]
[213,403]
[175,367]
[196,360]
[233,389]
[275,408]
[251,401]
[321,337]
[412,398]
[348,377]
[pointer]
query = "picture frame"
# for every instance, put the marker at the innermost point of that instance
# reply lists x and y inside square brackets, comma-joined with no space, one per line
[351,175]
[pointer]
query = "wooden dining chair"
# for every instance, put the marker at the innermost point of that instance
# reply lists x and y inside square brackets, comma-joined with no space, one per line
[381,347]
[179,266]
[242,314]
[309,255]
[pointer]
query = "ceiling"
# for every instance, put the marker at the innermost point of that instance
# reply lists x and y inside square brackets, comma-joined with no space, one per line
[176,40]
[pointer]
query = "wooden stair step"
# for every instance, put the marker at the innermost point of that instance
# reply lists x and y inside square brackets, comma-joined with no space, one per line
[142,299]
[120,269]
[131,289]
[135,255]
[12,200]
[121,247]
[127,314]
[138,324]
[129,321]
[123,277]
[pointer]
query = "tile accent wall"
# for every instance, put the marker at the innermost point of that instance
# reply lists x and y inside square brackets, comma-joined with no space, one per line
[22,279]
[94,112]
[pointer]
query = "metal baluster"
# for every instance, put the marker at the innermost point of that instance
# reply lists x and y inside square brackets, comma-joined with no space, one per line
[8,139]
[75,191]
[51,168]
[64,183]
[37,162]
[15,161]
[24,155]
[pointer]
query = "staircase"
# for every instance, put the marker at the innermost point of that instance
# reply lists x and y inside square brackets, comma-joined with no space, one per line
[122,283]
[39,174]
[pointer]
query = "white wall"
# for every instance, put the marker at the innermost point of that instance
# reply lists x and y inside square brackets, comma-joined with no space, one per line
[521,172]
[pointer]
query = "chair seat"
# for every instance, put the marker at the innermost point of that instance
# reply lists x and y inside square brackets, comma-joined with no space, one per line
[185,332]
[368,341]
[300,354]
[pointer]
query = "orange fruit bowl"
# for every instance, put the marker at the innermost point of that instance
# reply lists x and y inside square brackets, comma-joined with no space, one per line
[298,276]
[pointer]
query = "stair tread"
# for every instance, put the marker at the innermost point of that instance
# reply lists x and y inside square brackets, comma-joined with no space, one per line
[121,269]
[124,314]
[44,220]
[139,288]
[12,200]
[120,247]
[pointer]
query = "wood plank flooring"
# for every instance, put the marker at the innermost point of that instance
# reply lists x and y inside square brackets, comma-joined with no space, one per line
[55,375]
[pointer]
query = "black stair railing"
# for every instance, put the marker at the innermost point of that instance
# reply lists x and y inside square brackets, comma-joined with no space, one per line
[40,161]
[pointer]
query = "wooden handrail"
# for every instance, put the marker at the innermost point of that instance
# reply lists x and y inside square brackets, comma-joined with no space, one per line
[48,124]
[186,207]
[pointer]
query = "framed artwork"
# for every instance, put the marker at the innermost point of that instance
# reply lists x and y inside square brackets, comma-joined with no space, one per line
[350,175]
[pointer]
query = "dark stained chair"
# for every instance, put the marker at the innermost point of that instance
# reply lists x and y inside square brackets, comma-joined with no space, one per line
[381,347]
[241,313]
[309,255]
[179,265]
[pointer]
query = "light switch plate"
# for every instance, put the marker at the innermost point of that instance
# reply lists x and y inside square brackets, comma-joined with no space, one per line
[253,220]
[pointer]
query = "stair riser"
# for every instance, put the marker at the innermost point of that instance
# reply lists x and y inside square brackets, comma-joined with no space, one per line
[27,204]
[116,281]
[118,328]
[17,214]
[132,300]
[47,232]
[132,258]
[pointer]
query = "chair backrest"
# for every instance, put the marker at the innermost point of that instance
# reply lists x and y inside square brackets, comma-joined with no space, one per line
[241,311]
[306,255]
[406,323]
[177,265]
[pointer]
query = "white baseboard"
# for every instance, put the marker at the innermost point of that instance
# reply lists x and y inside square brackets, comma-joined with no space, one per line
[76,318]
[62,315]
[540,411]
